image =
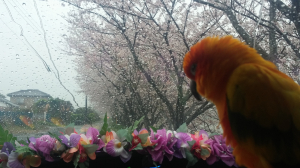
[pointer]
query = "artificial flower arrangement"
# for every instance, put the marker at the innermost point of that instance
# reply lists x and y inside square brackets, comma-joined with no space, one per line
[80,148]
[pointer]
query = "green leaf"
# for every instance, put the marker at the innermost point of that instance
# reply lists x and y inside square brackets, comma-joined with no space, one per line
[154,129]
[5,136]
[204,152]
[138,147]
[190,157]
[122,134]
[76,159]
[182,128]
[136,123]
[154,164]
[143,137]
[55,136]
[24,149]
[129,137]
[91,148]
[104,126]
[191,143]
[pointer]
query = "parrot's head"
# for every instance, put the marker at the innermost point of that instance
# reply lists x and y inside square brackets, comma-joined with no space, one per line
[210,62]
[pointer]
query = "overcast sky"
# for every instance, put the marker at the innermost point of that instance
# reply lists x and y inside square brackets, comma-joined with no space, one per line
[20,66]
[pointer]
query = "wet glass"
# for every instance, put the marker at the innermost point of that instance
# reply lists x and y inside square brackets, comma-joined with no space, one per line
[72,61]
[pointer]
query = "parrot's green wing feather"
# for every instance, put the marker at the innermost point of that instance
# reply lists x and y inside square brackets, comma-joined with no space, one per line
[264,111]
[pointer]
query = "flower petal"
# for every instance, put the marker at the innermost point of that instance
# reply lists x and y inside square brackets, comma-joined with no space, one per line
[125,156]
[7,147]
[13,161]
[74,140]
[73,150]
[67,157]
[92,156]
[110,148]
[211,159]
[83,140]
[64,140]
[135,132]
[45,144]
[157,156]
[100,143]
[93,134]
[183,136]
[143,131]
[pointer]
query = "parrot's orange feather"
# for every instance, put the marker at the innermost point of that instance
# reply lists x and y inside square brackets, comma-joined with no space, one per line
[253,99]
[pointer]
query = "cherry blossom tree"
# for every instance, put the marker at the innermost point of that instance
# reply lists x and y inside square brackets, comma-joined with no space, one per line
[130,52]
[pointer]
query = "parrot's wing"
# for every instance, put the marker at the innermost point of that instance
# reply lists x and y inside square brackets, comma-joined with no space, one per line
[264,111]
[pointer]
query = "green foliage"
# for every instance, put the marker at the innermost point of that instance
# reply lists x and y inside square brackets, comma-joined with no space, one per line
[129,137]
[182,128]
[104,126]
[19,109]
[90,148]
[190,157]
[83,116]
[57,108]
[154,129]
[138,147]
[5,136]
[39,106]
[24,150]
[122,133]
[191,143]
[76,158]
[204,152]
[143,137]
[135,125]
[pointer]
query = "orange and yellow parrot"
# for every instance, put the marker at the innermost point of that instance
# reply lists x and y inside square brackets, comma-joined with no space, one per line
[258,106]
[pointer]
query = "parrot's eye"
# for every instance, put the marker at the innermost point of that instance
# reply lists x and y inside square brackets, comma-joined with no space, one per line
[193,69]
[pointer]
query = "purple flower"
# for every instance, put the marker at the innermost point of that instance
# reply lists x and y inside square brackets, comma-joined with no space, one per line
[7,148]
[70,141]
[45,144]
[163,145]
[64,140]
[181,144]
[219,150]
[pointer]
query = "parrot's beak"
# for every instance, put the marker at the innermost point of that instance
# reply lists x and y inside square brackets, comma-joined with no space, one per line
[193,87]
